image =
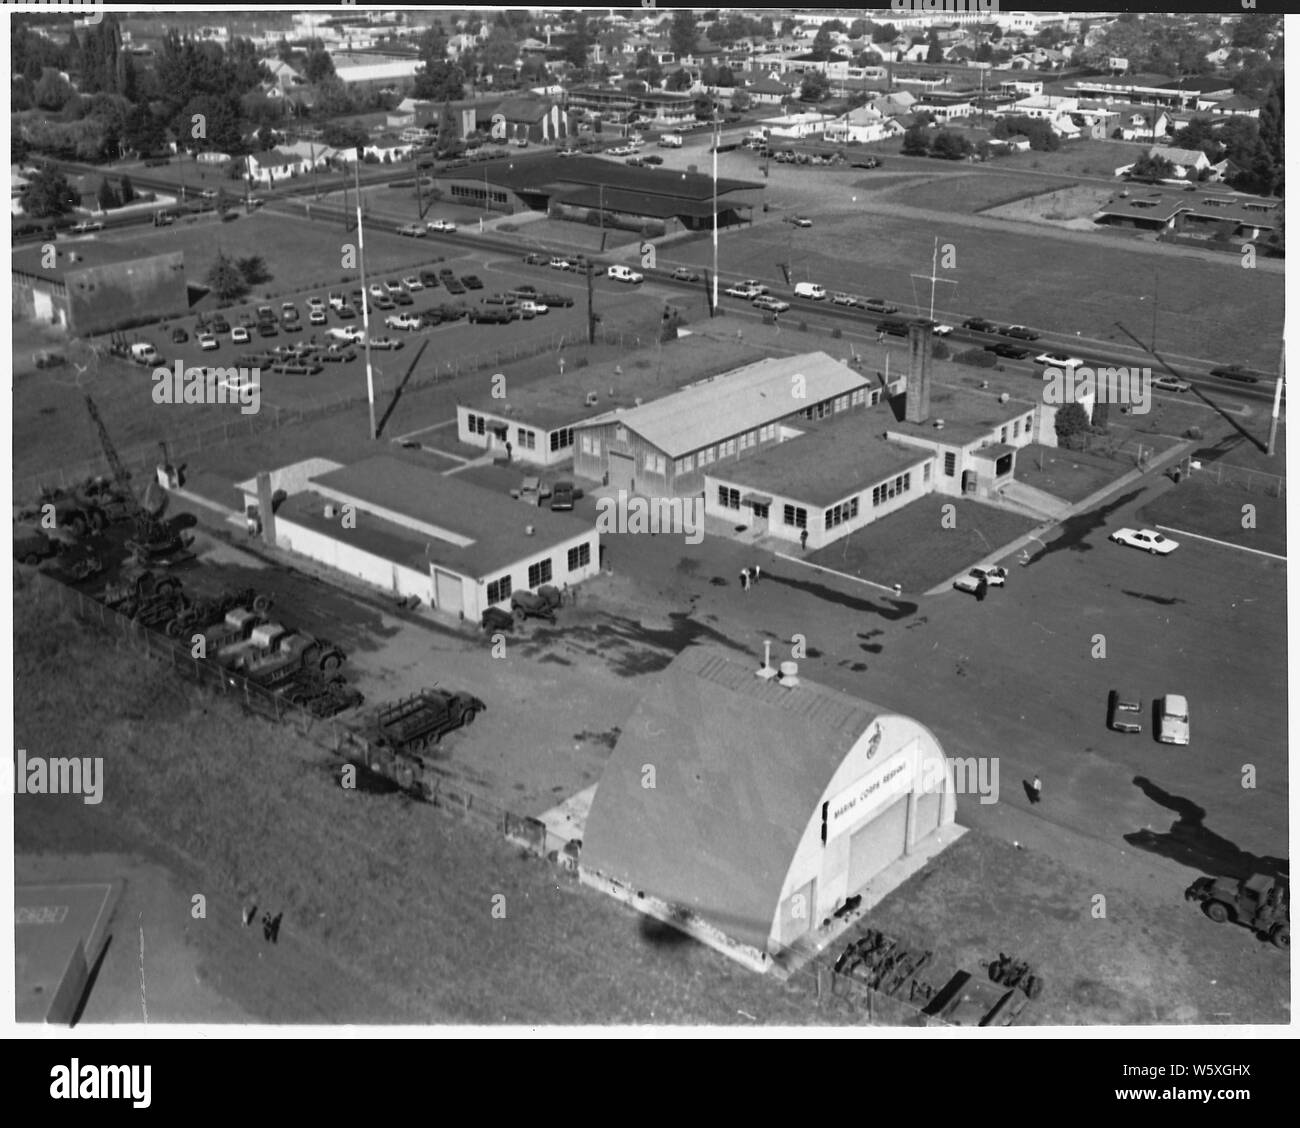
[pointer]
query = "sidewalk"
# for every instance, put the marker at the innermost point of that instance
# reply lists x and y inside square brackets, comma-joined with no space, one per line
[1156,464]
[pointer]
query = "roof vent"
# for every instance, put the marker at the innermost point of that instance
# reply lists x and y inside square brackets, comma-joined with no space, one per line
[984,385]
[591,399]
[530,530]
[938,424]
[789,674]
[1004,397]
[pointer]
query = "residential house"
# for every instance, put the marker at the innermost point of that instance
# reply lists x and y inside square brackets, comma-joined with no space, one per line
[1188,163]
[862,125]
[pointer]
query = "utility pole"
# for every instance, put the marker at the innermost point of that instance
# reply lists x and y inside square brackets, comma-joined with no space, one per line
[591,310]
[365,297]
[1155,305]
[1277,402]
[717,140]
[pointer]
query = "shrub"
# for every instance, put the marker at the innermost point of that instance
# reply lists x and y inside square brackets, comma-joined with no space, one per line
[942,351]
[1194,433]
[977,358]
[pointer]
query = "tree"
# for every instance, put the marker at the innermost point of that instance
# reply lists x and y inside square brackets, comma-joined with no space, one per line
[815,87]
[1071,425]
[950,146]
[500,49]
[225,280]
[1148,167]
[934,52]
[318,65]
[1253,30]
[107,196]
[822,44]
[48,193]
[884,33]
[253,270]
[333,99]
[741,101]
[52,90]
[579,45]
[440,81]
[916,141]
[126,193]
[682,33]
[858,28]
[724,77]
[679,80]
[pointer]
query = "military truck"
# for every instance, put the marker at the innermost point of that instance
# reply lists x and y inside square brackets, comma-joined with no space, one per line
[1260,903]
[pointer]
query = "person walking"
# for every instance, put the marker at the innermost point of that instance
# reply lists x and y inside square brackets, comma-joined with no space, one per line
[756,573]
[744,579]
[803,540]
[510,453]
[1036,790]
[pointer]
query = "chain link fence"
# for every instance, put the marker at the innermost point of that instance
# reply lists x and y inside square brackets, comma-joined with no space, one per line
[1237,478]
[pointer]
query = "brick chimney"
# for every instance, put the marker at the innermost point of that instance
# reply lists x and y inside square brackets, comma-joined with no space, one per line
[264,495]
[920,354]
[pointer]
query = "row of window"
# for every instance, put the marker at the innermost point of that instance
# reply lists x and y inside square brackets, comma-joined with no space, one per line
[539,573]
[466,192]
[838,514]
[728,497]
[889,490]
[795,515]
[561,439]
[1015,427]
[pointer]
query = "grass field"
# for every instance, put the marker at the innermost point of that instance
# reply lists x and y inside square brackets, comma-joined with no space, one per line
[1070,475]
[1078,158]
[971,194]
[1083,288]
[912,546]
[1199,506]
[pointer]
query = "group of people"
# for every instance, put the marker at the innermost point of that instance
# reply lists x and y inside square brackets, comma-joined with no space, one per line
[749,577]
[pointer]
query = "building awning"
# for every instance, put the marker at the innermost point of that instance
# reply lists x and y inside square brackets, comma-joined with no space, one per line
[994,452]
[755,499]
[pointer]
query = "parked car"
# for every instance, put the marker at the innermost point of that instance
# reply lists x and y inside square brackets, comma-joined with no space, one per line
[1054,360]
[495,619]
[267,329]
[559,262]
[769,304]
[318,317]
[345,333]
[86,226]
[755,285]
[621,273]
[1153,542]
[207,342]
[1236,372]
[219,324]
[471,282]
[412,283]
[345,313]
[1123,712]
[402,298]
[1171,384]
[385,303]
[1172,725]
[562,495]
[529,306]
[179,336]
[839,297]
[536,258]
[453,284]
[970,582]
[938,328]
[402,321]
[686,274]
[879,305]
[429,278]
[444,225]
[799,220]
[415,230]
[1019,332]
[239,335]
[979,325]
[748,293]
[385,343]
[1010,351]
[555,301]
[995,575]
[894,326]
[652,159]
[491,315]
[391,286]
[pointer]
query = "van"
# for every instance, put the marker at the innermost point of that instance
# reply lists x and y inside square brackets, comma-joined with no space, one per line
[809,290]
[1172,726]
[144,353]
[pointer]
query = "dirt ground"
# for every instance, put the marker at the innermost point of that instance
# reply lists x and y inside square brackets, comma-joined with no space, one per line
[1072,208]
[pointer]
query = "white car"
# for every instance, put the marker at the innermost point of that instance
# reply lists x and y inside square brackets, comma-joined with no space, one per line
[1171,384]
[318,317]
[755,285]
[207,342]
[345,333]
[315,302]
[1054,361]
[1147,539]
[412,283]
[621,273]
[401,321]
[88,225]
[527,305]
[1172,725]
[392,287]
[559,262]
[414,230]
[239,335]
[994,575]
[377,291]
[740,290]
[440,225]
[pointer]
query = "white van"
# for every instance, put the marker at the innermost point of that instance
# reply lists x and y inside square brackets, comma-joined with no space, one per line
[622,273]
[809,290]
[144,353]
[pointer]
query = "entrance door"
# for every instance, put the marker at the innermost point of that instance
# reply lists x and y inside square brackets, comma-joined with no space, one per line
[621,468]
[968,481]
[760,512]
[447,590]
[878,843]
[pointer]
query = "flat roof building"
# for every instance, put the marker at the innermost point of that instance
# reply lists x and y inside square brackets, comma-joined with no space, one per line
[399,526]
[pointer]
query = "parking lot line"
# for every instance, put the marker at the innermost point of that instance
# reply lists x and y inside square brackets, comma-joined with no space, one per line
[1222,544]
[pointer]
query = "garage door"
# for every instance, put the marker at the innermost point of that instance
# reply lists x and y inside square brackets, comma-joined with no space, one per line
[874,846]
[447,591]
[620,471]
[928,807]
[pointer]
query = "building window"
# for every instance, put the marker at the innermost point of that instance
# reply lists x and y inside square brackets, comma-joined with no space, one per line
[706,456]
[1015,428]
[858,397]
[654,463]
[727,449]
[562,438]
[767,433]
[476,424]
[796,516]
[527,439]
[926,472]
[842,403]
[950,463]
[748,439]
[1002,435]
[684,465]
[595,445]
[728,498]
[875,396]
[584,443]
[579,557]
[498,590]
[838,514]
[1028,421]
[539,573]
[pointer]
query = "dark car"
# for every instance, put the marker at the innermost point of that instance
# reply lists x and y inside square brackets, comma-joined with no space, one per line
[895,326]
[429,278]
[491,315]
[1123,712]
[471,282]
[554,300]
[562,495]
[536,258]
[878,305]
[652,159]
[980,325]
[453,284]
[220,324]
[1236,372]
[179,336]
[267,329]
[1011,352]
[385,304]
[1019,332]
[402,298]
[345,313]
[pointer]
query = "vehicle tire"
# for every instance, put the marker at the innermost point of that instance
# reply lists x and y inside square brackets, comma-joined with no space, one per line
[331,661]
[1281,936]
[1151,551]
[262,604]
[467,716]
[1217,911]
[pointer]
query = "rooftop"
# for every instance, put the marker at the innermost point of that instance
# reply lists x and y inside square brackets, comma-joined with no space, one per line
[480,530]
[89,253]
[739,401]
[967,416]
[1164,203]
[826,464]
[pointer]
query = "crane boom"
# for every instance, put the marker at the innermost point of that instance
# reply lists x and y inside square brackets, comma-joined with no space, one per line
[120,475]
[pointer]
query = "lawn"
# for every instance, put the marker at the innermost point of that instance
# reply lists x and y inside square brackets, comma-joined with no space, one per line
[973,193]
[1084,289]
[912,546]
[1078,158]
[1070,475]
[1200,506]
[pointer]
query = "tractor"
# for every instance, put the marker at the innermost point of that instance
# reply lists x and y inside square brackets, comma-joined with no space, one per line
[1259,902]
[540,604]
